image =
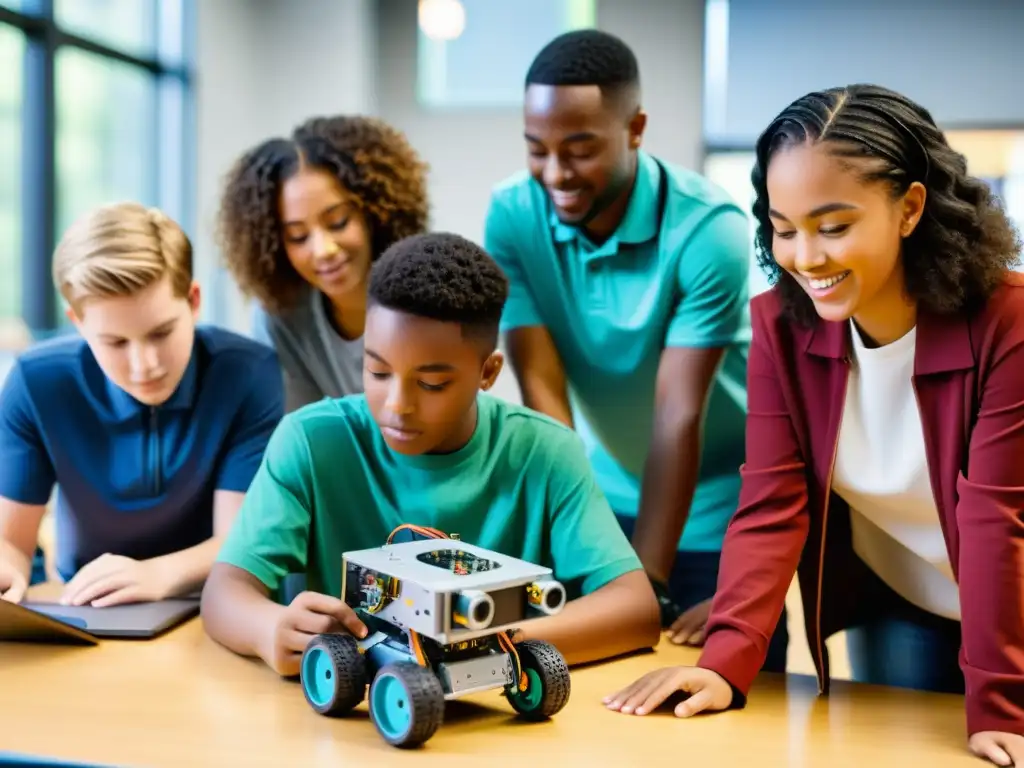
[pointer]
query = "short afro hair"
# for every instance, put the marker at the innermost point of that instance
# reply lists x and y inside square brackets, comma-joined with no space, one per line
[372,161]
[585,57]
[442,276]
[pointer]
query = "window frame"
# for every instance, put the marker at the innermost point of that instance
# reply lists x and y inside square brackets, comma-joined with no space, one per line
[175,177]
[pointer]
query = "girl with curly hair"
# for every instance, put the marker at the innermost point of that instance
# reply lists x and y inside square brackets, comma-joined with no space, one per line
[886,422]
[301,221]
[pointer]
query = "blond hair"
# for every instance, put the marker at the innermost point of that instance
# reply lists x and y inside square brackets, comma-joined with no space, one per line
[119,250]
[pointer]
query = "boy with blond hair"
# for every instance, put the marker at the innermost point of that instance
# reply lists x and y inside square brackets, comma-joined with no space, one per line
[150,427]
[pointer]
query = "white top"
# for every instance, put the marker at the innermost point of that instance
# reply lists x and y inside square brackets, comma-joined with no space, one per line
[881,471]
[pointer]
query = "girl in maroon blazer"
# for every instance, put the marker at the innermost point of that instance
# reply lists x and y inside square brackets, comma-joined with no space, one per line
[885,435]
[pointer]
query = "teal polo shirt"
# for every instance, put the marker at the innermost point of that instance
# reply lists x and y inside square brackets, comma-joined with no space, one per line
[674,274]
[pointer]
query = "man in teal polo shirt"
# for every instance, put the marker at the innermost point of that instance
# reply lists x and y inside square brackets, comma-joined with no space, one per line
[628,315]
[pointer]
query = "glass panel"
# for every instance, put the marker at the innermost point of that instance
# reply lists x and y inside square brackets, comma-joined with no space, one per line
[12,49]
[106,134]
[482,62]
[128,25]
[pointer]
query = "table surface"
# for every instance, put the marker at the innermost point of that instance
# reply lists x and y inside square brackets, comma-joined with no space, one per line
[181,699]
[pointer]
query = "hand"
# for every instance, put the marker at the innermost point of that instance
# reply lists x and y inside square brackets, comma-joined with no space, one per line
[12,583]
[115,580]
[688,629]
[1000,748]
[309,614]
[707,689]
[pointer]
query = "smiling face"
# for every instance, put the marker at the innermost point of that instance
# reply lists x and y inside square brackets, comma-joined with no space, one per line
[142,342]
[421,378]
[325,236]
[840,236]
[581,150]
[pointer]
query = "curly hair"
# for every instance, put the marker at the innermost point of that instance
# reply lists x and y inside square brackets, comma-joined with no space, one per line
[964,243]
[372,161]
[445,277]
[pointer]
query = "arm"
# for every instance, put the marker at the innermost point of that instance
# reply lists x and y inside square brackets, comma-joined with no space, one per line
[112,579]
[539,372]
[991,558]
[27,477]
[267,542]
[767,534]
[618,618]
[259,415]
[535,361]
[19,533]
[616,611]
[185,571]
[711,315]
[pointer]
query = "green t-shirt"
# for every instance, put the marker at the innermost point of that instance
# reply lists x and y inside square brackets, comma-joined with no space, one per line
[329,484]
[674,274]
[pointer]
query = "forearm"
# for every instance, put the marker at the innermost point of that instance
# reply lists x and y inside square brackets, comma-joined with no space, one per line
[618,618]
[547,398]
[237,612]
[185,571]
[12,554]
[670,478]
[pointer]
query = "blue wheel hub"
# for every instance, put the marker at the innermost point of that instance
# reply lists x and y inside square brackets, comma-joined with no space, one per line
[391,707]
[318,676]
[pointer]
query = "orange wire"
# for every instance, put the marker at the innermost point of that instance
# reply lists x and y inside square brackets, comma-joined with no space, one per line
[503,639]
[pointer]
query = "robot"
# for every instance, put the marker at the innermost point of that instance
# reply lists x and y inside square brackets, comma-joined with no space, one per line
[439,613]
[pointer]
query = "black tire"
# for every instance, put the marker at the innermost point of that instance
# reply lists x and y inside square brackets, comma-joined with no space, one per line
[333,674]
[406,704]
[545,667]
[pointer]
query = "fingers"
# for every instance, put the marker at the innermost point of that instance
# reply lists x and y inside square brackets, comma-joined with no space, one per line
[16,592]
[122,596]
[688,629]
[295,641]
[988,745]
[311,623]
[98,588]
[647,693]
[698,702]
[333,607]
[99,568]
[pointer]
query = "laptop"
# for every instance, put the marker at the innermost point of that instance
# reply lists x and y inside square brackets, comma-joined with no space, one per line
[52,622]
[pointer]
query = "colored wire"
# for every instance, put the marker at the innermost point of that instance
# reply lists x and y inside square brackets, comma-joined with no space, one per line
[519,674]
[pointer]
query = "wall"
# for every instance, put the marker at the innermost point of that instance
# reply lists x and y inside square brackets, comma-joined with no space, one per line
[264,66]
[469,150]
[962,60]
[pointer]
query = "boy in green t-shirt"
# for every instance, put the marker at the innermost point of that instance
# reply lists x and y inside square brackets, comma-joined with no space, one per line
[425,446]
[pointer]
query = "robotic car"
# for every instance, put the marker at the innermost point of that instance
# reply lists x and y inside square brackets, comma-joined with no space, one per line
[438,611]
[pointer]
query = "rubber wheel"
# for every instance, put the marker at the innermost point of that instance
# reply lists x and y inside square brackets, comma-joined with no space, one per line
[406,704]
[333,674]
[548,683]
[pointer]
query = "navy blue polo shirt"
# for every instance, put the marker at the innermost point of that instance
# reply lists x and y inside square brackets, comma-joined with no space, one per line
[132,479]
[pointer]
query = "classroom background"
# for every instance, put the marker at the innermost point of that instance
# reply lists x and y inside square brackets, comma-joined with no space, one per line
[152,100]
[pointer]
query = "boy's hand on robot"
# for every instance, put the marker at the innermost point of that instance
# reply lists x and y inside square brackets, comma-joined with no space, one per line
[308,615]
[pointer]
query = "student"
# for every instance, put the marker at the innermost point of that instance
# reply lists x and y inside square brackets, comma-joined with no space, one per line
[301,220]
[425,446]
[886,421]
[629,289]
[150,428]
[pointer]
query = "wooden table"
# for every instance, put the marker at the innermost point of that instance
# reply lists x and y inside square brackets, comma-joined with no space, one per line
[182,700]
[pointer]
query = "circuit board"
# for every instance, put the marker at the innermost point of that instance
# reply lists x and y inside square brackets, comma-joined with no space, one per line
[457,561]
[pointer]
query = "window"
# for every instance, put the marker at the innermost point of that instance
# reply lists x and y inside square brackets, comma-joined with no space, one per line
[12,49]
[485,64]
[97,110]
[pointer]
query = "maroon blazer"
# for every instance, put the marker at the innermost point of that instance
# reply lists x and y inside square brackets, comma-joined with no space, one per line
[969,382]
